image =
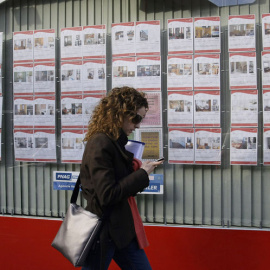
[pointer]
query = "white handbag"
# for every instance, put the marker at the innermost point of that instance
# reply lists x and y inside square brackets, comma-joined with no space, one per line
[78,231]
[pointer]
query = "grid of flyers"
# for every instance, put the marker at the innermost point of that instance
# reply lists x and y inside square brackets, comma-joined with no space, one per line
[34,95]
[243,90]
[193,83]
[1,98]
[83,84]
[136,62]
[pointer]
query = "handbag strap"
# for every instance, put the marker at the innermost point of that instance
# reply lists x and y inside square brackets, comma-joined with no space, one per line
[75,192]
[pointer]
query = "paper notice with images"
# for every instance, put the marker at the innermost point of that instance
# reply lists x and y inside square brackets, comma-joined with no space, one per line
[23,112]
[244,108]
[72,145]
[208,146]
[180,36]
[266,146]
[243,146]
[44,45]
[23,46]
[266,70]
[241,33]
[181,145]
[180,72]
[23,79]
[266,108]
[180,108]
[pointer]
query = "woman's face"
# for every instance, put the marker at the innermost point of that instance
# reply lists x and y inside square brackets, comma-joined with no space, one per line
[128,126]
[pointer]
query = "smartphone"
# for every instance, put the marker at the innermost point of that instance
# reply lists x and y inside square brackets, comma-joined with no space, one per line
[160,159]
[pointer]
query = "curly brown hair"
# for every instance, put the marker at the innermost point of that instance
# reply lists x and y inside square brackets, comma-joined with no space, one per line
[108,115]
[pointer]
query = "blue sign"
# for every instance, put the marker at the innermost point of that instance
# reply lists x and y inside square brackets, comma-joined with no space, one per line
[227,3]
[156,184]
[63,176]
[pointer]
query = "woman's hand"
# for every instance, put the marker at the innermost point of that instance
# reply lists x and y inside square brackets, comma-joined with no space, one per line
[149,166]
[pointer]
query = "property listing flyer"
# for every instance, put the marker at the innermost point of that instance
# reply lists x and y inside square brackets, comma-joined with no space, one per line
[207,72]
[24,145]
[124,72]
[181,146]
[44,45]
[180,72]
[94,41]
[1,47]
[147,36]
[44,111]
[94,75]
[123,39]
[208,146]
[1,90]
[89,103]
[207,35]
[266,108]
[266,146]
[180,36]
[23,79]
[44,78]
[266,31]
[243,149]
[23,112]
[44,145]
[243,70]
[23,46]
[152,138]
[71,81]
[244,108]
[71,111]
[207,108]
[149,73]
[242,33]
[72,145]
[266,69]
[1,113]
[180,108]
[153,117]
[71,43]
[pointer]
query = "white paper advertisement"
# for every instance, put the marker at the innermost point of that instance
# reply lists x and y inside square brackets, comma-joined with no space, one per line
[207,35]
[44,145]
[152,138]
[22,46]
[207,72]
[207,108]
[181,146]
[71,111]
[242,33]
[148,38]
[24,145]
[71,43]
[88,105]
[94,76]
[244,108]
[243,70]
[208,146]
[71,79]
[1,113]
[72,146]
[153,117]
[44,112]
[23,112]
[124,72]
[44,45]
[266,31]
[180,72]
[1,48]
[23,79]
[243,150]
[180,109]
[149,73]
[123,39]
[94,41]
[266,108]
[44,78]
[1,90]
[180,36]
[266,146]
[266,69]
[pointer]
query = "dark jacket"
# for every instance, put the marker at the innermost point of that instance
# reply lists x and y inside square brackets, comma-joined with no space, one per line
[108,180]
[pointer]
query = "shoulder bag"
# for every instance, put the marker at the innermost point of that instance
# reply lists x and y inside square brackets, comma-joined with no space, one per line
[78,231]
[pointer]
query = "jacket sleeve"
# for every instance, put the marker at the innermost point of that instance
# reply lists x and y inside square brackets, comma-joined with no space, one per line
[100,161]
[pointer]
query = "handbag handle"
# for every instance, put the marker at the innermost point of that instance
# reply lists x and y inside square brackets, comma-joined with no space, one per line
[75,192]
